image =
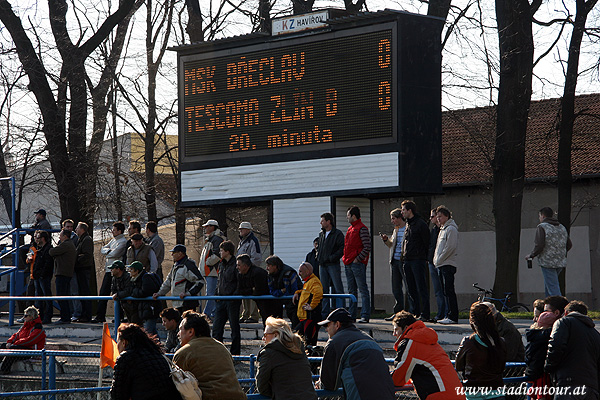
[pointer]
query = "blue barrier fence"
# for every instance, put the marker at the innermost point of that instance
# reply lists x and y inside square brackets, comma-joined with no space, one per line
[48,382]
[117,309]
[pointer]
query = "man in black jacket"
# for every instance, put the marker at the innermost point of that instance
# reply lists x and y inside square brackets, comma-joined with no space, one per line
[414,254]
[84,266]
[227,309]
[329,252]
[252,281]
[43,268]
[573,357]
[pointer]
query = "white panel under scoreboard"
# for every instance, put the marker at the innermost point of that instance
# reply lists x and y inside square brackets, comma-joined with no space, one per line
[326,175]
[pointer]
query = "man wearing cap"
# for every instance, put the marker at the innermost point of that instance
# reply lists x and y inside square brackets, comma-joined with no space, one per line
[40,220]
[144,284]
[353,359]
[209,258]
[249,245]
[157,245]
[184,280]
[120,286]
[142,252]
[113,251]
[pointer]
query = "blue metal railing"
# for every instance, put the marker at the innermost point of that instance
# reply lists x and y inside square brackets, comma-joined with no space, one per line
[117,309]
[49,359]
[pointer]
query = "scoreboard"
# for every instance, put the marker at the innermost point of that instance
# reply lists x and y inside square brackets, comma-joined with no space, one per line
[326,91]
[275,116]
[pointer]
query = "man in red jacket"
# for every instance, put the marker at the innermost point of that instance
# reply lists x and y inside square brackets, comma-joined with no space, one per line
[31,336]
[357,246]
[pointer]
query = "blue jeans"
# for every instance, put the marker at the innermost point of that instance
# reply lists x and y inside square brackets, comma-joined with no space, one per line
[228,310]
[551,285]
[331,274]
[150,326]
[446,276]
[415,272]
[63,286]
[43,287]
[396,270]
[442,306]
[211,289]
[356,274]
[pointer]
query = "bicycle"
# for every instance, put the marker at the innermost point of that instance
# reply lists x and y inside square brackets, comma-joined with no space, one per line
[486,295]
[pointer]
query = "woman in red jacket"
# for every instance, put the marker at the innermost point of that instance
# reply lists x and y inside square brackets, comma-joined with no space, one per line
[31,336]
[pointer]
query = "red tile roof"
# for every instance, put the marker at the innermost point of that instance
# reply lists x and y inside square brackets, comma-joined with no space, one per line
[468,138]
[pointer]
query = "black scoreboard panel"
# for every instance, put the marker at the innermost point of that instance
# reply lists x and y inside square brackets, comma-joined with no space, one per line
[310,92]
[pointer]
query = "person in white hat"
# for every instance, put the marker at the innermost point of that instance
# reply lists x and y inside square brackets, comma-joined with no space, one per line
[209,259]
[249,245]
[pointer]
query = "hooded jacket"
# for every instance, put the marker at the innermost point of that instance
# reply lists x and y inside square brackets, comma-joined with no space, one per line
[209,257]
[352,359]
[31,335]
[284,374]
[446,249]
[535,352]
[422,359]
[184,277]
[552,243]
[573,357]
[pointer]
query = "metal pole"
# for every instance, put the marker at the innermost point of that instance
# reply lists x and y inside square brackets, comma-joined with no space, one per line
[252,372]
[13,279]
[44,362]
[52,375]
[117,317]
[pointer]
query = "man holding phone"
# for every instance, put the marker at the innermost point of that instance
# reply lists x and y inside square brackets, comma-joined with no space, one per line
[395,245]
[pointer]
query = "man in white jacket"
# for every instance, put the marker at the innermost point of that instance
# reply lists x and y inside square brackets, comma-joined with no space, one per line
[113,251]
[444,259]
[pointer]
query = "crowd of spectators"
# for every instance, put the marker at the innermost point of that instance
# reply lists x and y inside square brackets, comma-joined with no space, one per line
[563,346]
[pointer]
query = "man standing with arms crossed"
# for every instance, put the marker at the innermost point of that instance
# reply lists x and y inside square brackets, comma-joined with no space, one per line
[209,260]
[357,246]
[445,260]
[249,245]
[414,254]
[113,251]
[329,252]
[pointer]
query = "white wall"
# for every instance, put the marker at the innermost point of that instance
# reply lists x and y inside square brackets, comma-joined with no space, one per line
[296,225]
[294,177]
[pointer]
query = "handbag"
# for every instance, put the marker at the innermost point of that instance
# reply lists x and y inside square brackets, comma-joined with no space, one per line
[185,382]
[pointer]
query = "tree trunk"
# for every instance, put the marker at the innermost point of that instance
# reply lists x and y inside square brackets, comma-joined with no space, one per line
[516,65]
[567,119]
[194,26]
[302,6]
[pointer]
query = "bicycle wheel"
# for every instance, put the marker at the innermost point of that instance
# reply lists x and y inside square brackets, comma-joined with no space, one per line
[519,307]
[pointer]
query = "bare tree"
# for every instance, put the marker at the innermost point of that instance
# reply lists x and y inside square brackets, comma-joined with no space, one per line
[567,113]
[65,131]
[514,19]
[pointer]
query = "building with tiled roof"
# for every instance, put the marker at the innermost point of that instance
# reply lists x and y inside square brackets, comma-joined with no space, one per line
[468,150]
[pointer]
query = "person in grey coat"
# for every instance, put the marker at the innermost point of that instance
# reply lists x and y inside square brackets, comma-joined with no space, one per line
[283,368]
